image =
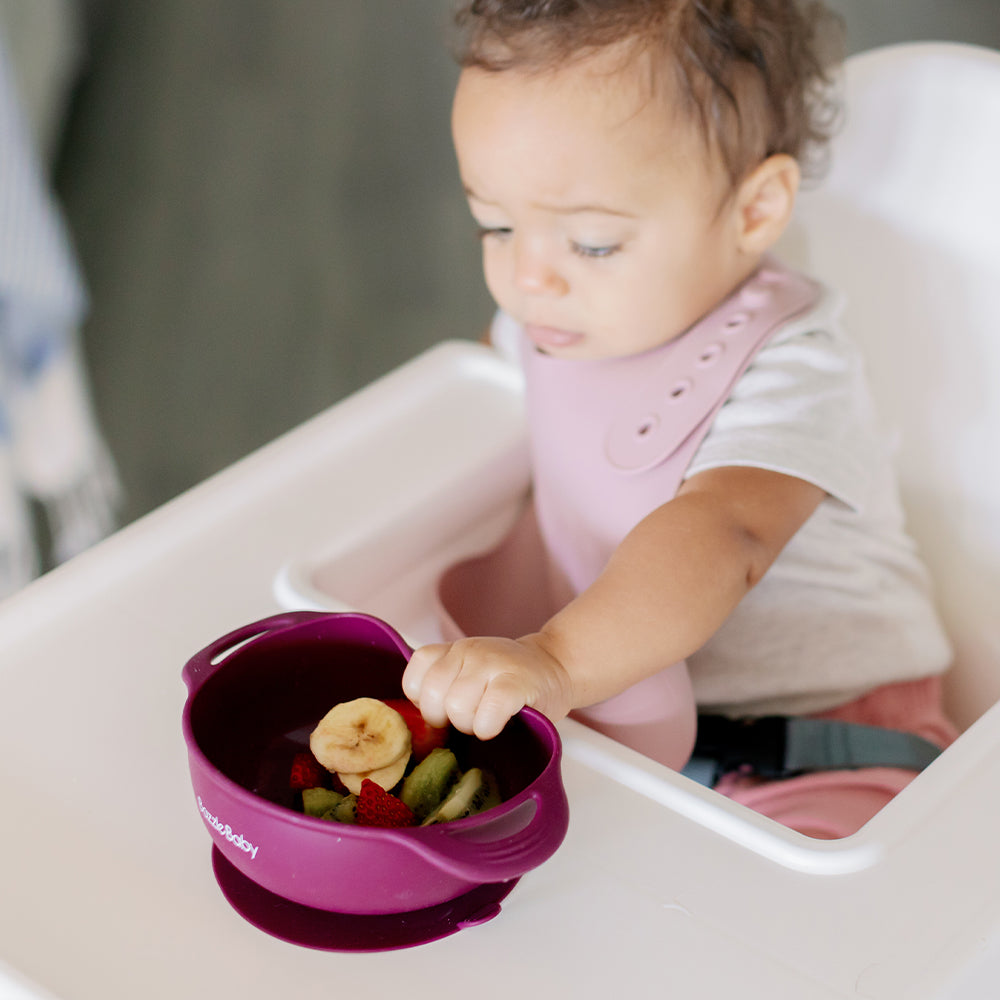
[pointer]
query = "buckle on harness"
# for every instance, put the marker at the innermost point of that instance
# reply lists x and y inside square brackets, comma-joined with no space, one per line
[782,747]
[756,745]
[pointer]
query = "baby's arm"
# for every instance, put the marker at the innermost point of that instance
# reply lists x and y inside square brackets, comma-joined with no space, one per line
[666,589]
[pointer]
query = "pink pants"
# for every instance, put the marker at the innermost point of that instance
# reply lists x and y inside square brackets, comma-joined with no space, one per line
[833,804]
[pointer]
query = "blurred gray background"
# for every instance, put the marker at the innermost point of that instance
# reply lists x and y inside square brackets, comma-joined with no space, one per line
[264,202]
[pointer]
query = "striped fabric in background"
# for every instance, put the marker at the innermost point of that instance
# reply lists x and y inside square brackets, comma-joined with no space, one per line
[53,461]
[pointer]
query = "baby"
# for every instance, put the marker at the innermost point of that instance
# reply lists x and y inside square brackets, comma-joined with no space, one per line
[710,487]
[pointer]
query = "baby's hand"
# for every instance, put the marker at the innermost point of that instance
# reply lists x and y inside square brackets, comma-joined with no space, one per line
[478,684]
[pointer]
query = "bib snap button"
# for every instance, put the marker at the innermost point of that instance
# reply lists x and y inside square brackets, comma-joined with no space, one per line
[756,294]
[679,389]
[647,425]
[736,322]
[710,355]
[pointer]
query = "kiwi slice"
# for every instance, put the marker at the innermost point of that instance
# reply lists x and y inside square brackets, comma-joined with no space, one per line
[344,811]
[317,801]
[427,785]
[475,792]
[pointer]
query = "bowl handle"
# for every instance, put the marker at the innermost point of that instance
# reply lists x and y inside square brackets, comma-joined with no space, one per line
[202,665]
[502,848]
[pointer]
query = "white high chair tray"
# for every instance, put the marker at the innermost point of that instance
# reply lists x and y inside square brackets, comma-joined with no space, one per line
[661,887]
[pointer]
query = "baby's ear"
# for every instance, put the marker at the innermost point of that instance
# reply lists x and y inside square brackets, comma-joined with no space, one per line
[765,201]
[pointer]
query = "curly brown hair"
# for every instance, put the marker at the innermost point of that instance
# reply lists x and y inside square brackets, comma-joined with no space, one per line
[754,75]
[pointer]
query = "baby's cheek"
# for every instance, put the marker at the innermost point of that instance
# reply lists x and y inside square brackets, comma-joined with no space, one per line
[498,281]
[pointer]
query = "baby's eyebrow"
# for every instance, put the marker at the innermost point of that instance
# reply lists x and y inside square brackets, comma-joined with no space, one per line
[585,210]
[573,209]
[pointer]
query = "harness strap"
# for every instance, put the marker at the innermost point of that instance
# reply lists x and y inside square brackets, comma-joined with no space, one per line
[781,747]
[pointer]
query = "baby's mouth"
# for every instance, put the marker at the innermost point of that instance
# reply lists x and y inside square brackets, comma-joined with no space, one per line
[552,338]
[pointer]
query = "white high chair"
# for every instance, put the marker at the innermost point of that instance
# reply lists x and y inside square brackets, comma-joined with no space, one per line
[661,886]
[907,224]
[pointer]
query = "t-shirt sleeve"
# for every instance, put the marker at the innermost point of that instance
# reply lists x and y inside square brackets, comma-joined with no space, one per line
[802,408]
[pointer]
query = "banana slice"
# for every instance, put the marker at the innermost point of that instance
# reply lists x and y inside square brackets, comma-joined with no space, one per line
[360,736]
[388,776]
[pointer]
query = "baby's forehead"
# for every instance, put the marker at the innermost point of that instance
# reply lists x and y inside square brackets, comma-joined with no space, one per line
[576,134]
[614,99]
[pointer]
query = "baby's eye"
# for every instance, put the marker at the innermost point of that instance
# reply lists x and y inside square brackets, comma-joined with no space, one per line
[584,250]
[497,232]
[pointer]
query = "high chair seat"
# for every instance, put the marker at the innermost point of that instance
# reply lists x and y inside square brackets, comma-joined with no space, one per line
[907,224]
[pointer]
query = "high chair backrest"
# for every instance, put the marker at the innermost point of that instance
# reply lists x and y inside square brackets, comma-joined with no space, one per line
[907,225]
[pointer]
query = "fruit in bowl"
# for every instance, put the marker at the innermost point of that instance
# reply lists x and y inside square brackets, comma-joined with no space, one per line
[372,749]
[256,694]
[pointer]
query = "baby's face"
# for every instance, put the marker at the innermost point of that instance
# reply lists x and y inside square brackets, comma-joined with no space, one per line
[599,208]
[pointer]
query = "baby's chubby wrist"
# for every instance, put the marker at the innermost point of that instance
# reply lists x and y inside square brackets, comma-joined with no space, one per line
[555,695]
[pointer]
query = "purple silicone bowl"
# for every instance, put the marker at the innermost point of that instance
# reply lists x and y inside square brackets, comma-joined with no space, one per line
[253,698]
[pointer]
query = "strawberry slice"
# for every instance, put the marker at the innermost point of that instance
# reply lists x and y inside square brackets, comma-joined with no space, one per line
[377,807]
[307,772]
[424,736]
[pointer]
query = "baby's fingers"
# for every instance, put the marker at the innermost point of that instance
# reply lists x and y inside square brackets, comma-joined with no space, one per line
[503,698]
[476,684]
[427,678]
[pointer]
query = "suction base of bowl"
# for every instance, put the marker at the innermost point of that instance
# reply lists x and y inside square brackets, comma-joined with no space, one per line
[326,931]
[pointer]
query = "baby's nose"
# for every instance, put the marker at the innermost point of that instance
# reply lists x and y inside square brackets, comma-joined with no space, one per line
[534,274]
